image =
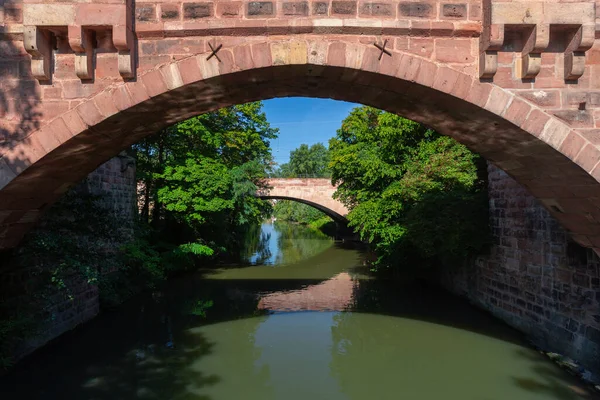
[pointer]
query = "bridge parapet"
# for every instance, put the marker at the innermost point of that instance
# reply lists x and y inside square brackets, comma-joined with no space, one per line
[523,28]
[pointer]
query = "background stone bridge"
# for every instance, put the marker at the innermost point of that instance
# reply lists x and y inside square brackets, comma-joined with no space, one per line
[316,192]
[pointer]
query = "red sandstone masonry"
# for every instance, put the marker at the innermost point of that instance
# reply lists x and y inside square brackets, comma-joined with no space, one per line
[535,277]
[315,191]
[117,184]
[320,49]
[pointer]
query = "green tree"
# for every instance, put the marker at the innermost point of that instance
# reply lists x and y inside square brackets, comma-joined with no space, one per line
[294,211]
[411,191]
[284,171]
[200,176]
[307,160]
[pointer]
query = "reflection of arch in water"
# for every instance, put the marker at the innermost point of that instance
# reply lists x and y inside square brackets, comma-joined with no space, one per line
[335,294]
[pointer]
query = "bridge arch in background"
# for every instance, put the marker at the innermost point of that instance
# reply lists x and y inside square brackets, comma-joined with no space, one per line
[327,211]
[555,162]
[315,192]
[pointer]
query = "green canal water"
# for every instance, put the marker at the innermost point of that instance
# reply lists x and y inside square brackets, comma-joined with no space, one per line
[301,320]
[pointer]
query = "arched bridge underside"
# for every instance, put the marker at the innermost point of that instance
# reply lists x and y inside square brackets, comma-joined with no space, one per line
[450,66]
[315,192]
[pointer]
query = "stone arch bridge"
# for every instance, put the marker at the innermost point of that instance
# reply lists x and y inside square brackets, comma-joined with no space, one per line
[316,192]
[518,82]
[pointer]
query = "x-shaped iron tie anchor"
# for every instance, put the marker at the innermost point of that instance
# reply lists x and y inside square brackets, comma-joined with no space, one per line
[383,49]
[214,52]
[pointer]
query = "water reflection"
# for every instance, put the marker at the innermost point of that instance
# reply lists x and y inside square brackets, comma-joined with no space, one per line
[228,334]
[280,243]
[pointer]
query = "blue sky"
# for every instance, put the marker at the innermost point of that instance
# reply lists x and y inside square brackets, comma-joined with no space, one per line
[303,120]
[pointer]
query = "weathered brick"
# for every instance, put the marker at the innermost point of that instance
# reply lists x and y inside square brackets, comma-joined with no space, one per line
[261,55]
[13,13]
[588,157]
[190,70]
[377,9]
[463,86]
[229,9]
[320,8]
[498,101]
[343,7]
[427,73]
[89,113]
[243,57]
[581,280]
[419,10]
[475,12]
[535,122]
[169,11]
[576,118]
[337,55]
[479,94]
[197,10]
[145,12]
[454,50]
[592,334]
[138,92]
[121,98]
[260,8]
[543,98]
[517,111]
[581,99]
[445,79]
[74,122]
[422,47]
[458,11]
[154,83]
[295,8]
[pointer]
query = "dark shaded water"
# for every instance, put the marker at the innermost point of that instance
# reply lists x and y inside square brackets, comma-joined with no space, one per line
[308,325]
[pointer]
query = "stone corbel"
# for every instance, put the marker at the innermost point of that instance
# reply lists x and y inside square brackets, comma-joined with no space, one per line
[571,21]
[581,41]
[488,57]
[38,43]
[81,42]
[81,23]
[537,41]
[123,41]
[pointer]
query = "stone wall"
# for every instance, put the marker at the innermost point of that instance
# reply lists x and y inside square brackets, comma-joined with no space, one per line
[25,274]
[115,182]
[535,278]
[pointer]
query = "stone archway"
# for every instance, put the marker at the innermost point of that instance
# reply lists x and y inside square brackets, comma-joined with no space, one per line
[315,192]
[555,162]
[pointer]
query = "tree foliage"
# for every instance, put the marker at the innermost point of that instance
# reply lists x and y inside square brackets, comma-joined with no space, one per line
[410,190]
[294,211]
[309,161]
[200,176]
